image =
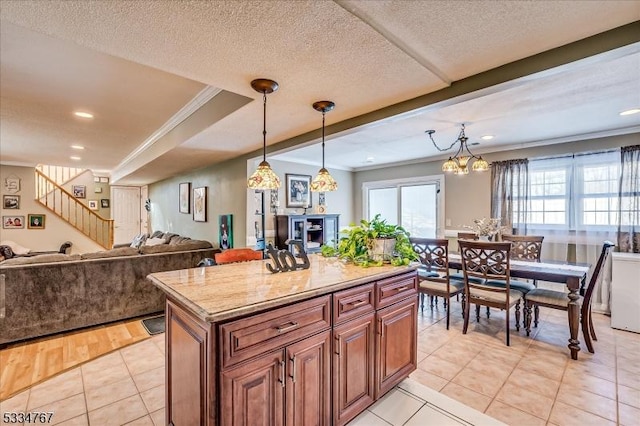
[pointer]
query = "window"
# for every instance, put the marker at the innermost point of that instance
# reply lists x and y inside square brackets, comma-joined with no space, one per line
[412,203]
[574,192]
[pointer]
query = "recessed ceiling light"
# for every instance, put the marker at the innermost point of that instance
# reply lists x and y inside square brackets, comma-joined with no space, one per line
[77,146]
[487,137]
[369,159]
[75,157]
[83,114]
[630,111]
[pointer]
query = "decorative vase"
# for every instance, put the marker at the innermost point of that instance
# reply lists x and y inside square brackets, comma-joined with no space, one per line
[382,249]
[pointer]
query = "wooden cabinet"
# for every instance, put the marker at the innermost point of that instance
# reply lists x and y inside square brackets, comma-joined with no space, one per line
[396,343]
[313,230]
[289,386]
[321,361]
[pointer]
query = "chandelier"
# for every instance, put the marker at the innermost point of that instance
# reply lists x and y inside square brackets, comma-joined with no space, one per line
[459,163]
[323,181]
[264,177]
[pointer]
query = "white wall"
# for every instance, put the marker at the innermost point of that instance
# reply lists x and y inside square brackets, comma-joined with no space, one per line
[56,230]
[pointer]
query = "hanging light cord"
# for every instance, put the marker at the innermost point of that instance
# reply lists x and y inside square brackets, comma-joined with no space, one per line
[462,138]
[323,113]
[264,126]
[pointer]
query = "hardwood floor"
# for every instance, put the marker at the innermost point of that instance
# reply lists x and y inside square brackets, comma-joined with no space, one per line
[25,364]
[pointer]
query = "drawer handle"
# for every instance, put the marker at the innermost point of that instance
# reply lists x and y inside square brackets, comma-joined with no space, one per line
[403,288]
[358,303]
[284,327]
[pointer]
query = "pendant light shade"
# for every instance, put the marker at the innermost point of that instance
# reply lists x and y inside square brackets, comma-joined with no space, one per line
[264,177]
[459,163]
[323,182]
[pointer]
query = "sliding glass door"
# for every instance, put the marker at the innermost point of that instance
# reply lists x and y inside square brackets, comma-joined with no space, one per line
[412,203]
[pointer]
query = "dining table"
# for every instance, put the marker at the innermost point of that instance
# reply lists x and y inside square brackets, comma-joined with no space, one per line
[572,274]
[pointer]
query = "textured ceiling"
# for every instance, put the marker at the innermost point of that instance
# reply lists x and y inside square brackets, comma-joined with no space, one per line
[363,55]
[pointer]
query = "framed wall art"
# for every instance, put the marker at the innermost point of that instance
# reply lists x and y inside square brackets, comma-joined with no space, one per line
[79,191]
[36,221]
[12,222]
[200,204]
[225,224]
[104,203]
[93,204]
[11,201]
[298,190]
[12,184]
[184,197]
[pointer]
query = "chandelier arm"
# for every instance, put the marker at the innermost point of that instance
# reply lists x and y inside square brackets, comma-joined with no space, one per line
[472,154]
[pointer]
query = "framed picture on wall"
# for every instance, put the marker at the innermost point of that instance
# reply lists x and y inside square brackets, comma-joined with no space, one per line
[79,191]
[11,201]
[93,204]
[13,222]
[36,221]
[298,190]
[225,224]
[184,194]
[104,203]
[200,204]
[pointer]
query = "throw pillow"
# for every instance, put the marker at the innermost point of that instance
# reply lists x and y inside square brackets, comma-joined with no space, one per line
[15,247]
[139,240]
[154,241]
[6,252]
[157,234]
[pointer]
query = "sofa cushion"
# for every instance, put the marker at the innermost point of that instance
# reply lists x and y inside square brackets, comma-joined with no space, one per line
[177,239]
[168,235]
[122,251]
[163,248]
[43,258]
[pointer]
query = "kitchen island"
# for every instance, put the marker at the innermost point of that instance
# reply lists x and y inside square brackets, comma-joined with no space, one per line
[314,346]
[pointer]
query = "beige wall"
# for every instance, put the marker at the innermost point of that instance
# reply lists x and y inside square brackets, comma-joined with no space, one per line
[56,230]
[87,180]
[226,194]
[468,197]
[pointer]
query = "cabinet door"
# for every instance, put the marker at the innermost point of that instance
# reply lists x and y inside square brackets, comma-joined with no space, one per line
[331,230]
[396,343]
[353,367]
[252,394]
[308,383]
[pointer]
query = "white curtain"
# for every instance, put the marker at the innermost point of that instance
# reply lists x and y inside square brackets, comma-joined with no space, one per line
[574,203]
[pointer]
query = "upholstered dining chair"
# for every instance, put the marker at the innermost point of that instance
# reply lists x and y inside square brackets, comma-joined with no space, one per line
[433,272]
[233,255]
[559,300]
[488,261]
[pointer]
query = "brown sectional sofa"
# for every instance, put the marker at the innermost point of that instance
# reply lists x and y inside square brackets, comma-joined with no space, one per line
[51,293]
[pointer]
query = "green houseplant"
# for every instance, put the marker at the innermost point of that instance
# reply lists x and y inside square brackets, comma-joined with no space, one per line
[374,242]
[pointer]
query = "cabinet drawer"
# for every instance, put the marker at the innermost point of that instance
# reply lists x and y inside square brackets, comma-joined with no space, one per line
[353,302]
[392,290]
[248,337]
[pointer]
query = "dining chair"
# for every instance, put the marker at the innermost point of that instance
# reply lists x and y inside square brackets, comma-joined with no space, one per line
[525,247]
[560,300]
[233,255]
[467,236]
[488,261]
[433,273]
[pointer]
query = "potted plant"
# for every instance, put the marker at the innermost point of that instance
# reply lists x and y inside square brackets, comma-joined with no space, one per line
[375,242]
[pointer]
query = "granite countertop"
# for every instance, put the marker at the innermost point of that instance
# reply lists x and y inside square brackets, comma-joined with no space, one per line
[226,291]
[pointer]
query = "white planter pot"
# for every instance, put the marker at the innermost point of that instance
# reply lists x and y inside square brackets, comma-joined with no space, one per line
[383,249]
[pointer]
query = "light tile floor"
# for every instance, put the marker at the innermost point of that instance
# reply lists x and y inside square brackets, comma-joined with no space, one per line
[531,382]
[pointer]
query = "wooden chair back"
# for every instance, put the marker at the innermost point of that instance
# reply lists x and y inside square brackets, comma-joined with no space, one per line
[434,256]
[525,247]
[237,255]
[485,261]
[595,277]
[467,236]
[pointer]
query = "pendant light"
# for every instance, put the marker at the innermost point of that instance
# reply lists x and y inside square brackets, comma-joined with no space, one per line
[264,177]
[323,181]
[459,163]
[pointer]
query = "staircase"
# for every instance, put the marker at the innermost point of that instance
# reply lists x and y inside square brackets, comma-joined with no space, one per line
[54,197]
